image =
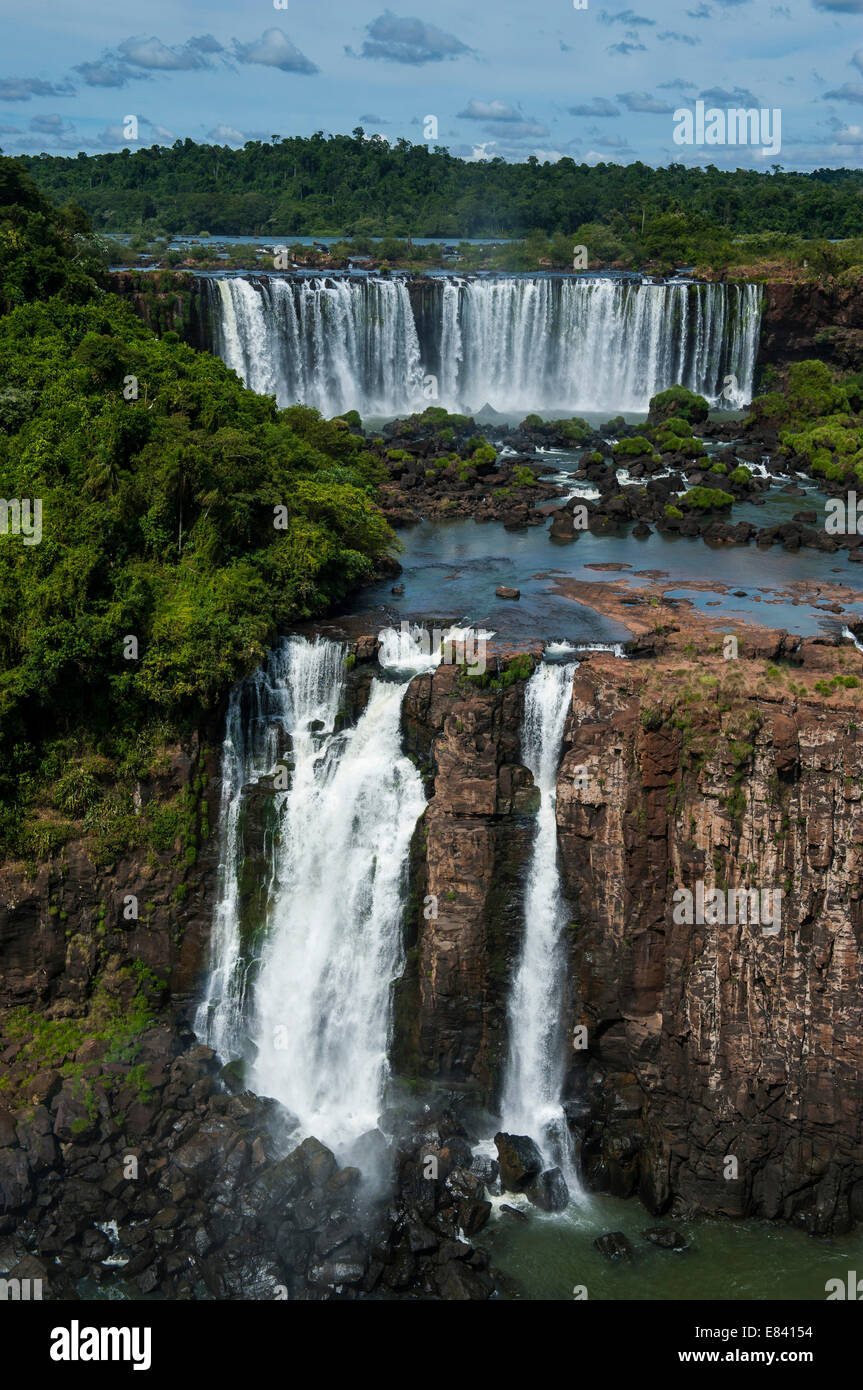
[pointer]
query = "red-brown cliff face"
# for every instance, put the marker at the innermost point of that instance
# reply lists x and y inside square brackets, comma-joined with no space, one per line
[705,1043]
[803,320]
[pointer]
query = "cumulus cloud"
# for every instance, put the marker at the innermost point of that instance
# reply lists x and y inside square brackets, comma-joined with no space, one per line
[676,84]
[226,135]
[857,60]
[136,58]
[703,12]
[379,120]
[849,91]
[625,17]
[849,136]
[398,39]
[106,73]
[152,53]
[840,6]
[600,106]
[147,132]
[489,111]
[625,48]
[718,96]
[274,50]
[643,101]
[502,119]
[23,88]
[671,35]
[51,125]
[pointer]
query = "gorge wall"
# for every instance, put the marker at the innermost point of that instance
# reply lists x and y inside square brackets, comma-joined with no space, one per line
[702,1042]
[803,320]
[800,319]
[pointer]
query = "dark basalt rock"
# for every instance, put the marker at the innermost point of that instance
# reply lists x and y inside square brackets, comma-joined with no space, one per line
[520,1161]
[614,1246]
[514,1212]
[667,1238]
[206,1204]
[549,1191]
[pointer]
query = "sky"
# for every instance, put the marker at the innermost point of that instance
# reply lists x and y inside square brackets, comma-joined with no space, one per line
[509,78]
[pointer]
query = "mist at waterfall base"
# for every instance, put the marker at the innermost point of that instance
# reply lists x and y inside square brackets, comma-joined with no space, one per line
[513,343]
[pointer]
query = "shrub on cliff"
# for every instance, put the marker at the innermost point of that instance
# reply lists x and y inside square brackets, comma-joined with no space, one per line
[811,393]
[576,430]
[184,522]
[817,418]
[677,401]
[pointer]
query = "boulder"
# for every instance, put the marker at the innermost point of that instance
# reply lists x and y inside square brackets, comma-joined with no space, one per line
[666,1238]
[614,1246]
[520,1161]
[549,1191]
[503,592]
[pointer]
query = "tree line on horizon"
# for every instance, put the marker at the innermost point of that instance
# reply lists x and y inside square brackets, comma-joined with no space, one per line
[354,185]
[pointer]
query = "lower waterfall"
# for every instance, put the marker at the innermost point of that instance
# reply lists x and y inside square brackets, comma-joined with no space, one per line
[533,1079]
[311,1001]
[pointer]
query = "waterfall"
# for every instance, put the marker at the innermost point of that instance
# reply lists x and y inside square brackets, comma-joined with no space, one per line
[300,683]
[517,343]
[534,1073]
[333,344]
[847,633]
[311,1000]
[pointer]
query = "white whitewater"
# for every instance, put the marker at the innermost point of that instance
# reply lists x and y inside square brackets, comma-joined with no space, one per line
[315,998]
[516,343]
[846,632]
[533,1080]
[332,344]
[300,683]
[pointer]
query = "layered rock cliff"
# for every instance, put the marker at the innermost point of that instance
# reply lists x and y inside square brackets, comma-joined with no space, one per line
[802,320]
[704,1043]
[713,1067]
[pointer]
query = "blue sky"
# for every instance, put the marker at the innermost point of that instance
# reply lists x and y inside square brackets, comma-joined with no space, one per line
[509,77]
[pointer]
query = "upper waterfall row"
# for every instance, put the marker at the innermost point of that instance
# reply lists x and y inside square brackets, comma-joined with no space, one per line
[515,343]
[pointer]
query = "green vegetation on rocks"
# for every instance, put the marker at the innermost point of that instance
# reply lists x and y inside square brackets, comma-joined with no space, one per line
[818,418]
[635,447]
[185,522]
[706,499]
[676,405]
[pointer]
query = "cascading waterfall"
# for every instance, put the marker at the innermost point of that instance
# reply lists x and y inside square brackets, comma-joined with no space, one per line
[332,344]
[533,1078]
[300,683]
[314,999]
[517,343]
[852,637]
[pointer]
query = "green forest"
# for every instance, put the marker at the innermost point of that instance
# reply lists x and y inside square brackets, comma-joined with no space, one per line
[177,508]
[352,185]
